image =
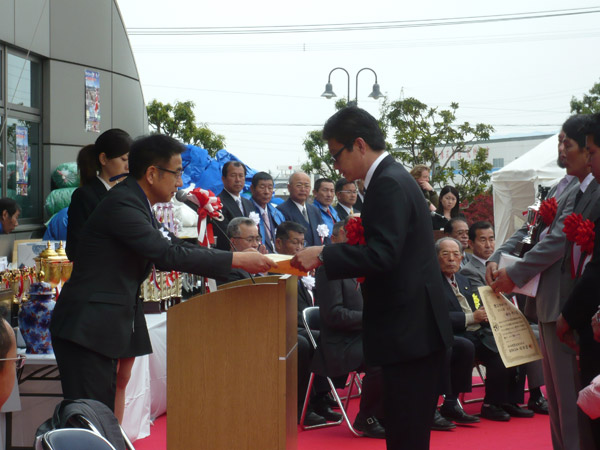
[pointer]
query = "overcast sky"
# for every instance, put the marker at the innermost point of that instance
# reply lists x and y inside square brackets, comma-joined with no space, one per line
[262,91]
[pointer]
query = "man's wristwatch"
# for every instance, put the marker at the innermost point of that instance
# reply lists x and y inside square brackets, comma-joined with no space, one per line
[321,257]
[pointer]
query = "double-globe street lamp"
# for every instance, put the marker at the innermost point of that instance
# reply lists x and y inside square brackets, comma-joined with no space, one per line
[376,93]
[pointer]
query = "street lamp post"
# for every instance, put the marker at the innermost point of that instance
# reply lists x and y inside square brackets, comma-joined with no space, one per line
[376,93]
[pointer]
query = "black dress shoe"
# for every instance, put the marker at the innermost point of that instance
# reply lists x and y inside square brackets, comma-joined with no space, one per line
[457,414]
[441,424]
[312,418]
[369,427]
[538,405]
[494,412]
[516,411]
[323,409]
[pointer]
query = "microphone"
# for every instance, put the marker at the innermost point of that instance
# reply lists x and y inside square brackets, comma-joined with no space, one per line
[187,200]
[436,214]
[190,201]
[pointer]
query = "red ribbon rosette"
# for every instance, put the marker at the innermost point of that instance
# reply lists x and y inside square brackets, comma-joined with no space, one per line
[548,210]
[572,222]
[355,235]
[355,232]
[209,205]
[582,233]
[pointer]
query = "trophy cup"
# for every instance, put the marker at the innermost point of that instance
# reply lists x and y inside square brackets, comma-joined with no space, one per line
[534,224]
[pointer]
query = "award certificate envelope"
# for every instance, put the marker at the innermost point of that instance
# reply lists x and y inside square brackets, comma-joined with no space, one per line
[283,265]
[530,289]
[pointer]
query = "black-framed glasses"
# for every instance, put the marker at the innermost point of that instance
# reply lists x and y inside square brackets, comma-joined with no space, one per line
[178,173]
[250,239]
[337,154]
[19,361]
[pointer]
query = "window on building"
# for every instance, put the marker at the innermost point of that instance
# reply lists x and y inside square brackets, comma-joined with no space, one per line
[498,163]
[20,132]
[454,165]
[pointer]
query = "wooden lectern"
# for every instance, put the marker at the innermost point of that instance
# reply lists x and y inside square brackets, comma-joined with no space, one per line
[232,367]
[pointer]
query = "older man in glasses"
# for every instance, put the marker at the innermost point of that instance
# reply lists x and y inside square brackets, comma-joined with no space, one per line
[8,360]
[243,234]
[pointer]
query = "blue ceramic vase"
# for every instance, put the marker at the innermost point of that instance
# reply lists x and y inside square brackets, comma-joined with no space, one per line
[34,319]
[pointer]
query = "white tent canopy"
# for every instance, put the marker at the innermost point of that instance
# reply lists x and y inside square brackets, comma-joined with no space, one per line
[515,186]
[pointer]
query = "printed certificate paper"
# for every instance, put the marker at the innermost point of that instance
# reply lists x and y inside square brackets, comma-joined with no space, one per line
[514,337]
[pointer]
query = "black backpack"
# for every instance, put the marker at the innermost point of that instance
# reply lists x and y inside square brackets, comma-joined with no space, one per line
[88,414]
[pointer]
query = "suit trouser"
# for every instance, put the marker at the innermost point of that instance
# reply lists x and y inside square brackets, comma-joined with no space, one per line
[85,374]
[502,385]
[410,398]
[562,385]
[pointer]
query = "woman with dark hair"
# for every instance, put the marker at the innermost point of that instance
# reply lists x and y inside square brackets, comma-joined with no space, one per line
[100,165]
[9,215]
[448,207]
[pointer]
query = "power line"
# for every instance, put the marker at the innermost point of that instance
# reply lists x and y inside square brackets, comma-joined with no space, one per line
[358,26]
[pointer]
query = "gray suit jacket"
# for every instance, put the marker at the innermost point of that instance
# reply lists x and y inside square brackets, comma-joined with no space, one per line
[474,270]
[544,257]
[585,207]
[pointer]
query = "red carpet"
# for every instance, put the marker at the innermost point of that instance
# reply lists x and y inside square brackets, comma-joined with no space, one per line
[518,434]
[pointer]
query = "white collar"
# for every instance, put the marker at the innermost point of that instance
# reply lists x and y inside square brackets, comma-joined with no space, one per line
[106,185]
[235,197]
[300,207]
[586,182]
[371,170]
[483,261]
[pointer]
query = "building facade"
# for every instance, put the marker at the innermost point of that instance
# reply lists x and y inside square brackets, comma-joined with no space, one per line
[47,109]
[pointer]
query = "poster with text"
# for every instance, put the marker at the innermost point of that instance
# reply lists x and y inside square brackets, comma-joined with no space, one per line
[92,101]
[22,160]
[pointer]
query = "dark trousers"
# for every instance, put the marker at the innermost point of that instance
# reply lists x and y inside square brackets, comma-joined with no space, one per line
[85,374]
[458,368]
[305,354]
[410,398]
[502,385]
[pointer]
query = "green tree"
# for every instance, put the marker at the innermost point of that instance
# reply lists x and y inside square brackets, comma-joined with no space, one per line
[179,121]
[589,104]
[430,136]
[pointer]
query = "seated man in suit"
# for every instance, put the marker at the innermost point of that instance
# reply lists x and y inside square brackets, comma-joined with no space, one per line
[483,243]
[323,194]
[503,392]
[340,344]
[270,218]
[8,360]
[243,234]
[296,209]
[289,241]
[346,193]
[234,204]
[458,228]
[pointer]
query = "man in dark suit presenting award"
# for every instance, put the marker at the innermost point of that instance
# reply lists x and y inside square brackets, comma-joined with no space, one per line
[100,317]
[406,323]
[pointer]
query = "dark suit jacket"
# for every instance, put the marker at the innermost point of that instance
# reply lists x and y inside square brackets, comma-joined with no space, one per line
[292,213]
[304,301]
[341,211]
[405,316]
[83,201]
[340,306]
[230,211]
[457,316]
[99,306]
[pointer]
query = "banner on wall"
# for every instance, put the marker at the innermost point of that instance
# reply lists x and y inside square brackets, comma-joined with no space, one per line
[22,160]
[92,101]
